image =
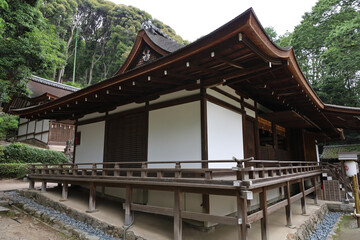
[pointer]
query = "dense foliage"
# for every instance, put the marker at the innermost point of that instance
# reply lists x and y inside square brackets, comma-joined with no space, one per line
[14,159]
[8,126]
[13,170]
[39,36]
[21,153]
[327,46]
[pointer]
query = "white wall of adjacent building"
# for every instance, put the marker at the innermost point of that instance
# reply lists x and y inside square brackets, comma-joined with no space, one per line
[91,148]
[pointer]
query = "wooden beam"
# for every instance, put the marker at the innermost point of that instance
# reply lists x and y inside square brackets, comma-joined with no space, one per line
[288,207]
[264,220]
[177,214]
[128,200]
[229,62]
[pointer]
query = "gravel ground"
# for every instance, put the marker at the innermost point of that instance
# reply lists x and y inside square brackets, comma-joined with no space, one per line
[62,217]
[325,226]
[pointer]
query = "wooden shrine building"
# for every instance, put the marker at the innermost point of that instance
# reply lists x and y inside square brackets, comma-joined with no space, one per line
[223,130]
[43,132]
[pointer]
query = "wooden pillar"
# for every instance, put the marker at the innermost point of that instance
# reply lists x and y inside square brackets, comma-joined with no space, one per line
[177,214]
[31,184]
[303,199]
[92,198]
[288,207]
[242,214]
[264,219]
[65,191]
[315,191]
[43,186]
[128,200]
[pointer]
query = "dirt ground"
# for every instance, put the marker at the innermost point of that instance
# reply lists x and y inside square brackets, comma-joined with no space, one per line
[347,229]
[13,184]
[23,227]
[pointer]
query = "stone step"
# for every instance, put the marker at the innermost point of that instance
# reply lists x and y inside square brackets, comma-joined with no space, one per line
[4,203]
[3,209]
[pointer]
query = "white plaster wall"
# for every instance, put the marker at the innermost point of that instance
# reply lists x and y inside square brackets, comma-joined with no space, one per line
[175,134]
[250,112]
[222,205]
[223,97]
[127,107]
[30,136]
[22,120]
[22,130]
[31,127]
[21,138]
[91,148]
[249,101]
[46,125]
[225,135]
[191,201]
[38,136]
[38,127]
[45,137]
[175,95]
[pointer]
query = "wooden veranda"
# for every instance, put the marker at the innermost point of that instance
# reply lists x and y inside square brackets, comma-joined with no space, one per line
[247,178]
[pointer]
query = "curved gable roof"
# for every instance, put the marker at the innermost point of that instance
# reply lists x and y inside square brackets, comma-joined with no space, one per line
[238,54]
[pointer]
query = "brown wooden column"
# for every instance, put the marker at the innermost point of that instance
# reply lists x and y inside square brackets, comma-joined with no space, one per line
[177,214]
[128,201]
[43,186]
[303,199]
[65,191]
[31,184]
[241,214]
[92,198]
[264,219]
[204,144]
[288,207]
[315,190]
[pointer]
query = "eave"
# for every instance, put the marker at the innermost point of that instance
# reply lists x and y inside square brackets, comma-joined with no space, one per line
[238,54]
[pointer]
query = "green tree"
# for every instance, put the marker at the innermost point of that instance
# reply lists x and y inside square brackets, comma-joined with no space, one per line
[326,44]
[28,45]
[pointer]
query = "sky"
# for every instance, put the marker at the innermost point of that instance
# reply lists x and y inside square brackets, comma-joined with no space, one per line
[192,19]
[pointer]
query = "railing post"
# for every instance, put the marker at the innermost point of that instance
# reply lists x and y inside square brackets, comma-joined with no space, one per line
[143,169]
[117,170]
[93,169]
[75,169]
[177,171]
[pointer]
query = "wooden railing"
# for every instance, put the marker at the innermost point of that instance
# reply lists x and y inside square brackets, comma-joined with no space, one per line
[245,172]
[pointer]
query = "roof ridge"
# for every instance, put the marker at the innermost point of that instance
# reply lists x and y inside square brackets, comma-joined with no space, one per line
[53,83]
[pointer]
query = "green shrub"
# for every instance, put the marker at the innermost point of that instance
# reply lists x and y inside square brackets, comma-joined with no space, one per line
[13,170]
[21,153]
[8,126]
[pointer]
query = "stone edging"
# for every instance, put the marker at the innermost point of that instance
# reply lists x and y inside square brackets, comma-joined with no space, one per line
[70,230]
[305,229]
